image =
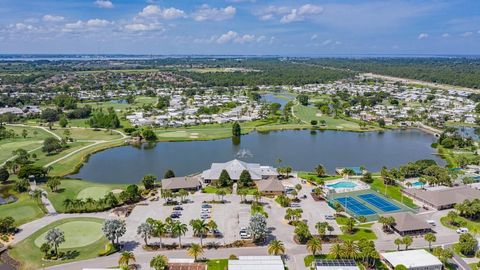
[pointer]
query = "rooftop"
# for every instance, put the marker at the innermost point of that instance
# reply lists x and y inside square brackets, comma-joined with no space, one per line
[445,196]
[411,258]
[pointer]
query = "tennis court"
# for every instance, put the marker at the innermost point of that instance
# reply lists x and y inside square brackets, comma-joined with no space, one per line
[351,204]
[379,202]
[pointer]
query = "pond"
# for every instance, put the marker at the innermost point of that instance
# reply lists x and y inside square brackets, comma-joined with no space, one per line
[299,149]
[280,98]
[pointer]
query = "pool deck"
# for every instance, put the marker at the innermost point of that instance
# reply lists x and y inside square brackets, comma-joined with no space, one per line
[359,186]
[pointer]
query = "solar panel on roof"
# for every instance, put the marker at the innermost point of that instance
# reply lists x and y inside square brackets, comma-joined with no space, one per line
[339,262]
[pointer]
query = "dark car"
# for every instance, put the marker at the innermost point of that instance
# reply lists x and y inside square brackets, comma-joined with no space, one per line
[178,208]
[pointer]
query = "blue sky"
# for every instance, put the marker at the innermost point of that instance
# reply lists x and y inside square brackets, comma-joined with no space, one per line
[240,27]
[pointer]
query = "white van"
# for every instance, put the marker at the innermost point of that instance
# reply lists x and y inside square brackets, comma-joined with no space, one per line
[462,230]
[431,222]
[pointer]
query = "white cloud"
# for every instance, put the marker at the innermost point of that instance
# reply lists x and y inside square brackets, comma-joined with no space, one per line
[445,35]
[52,18]
[300,14]
[103,3]
[422,36]
[467,34]
[245,38]
[266,17]
[205,13]
[22,27]
[97,23]
[227,37]
[75,25]
[142,27]
[261,38]
[164,13]
[326,42]
[313,37]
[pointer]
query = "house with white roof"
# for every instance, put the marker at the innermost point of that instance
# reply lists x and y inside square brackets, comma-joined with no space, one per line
[419,259]
[235,168]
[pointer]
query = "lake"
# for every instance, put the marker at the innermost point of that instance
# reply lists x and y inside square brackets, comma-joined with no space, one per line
[296,148]
[280,98]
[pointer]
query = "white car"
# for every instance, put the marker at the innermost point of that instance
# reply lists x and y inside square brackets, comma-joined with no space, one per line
[206,210]
[244,234]
[329,217]
[462,230]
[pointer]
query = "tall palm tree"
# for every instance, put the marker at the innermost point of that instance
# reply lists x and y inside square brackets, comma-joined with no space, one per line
[125,258]
[67,203]
[200,228]
[195,250]
[90,202]
[159,229]
[349,249]
[335,251]
[257,196]
[314,245]
[430,237]
[37,194]
[276,247]
[398,242]
[179,229]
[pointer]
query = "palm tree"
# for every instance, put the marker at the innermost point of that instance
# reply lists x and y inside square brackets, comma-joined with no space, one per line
[321,228]
[166,194]
[349,249]
[242,193]
[159,262]
[159,229]
[90,201]
[320,170]
[430,237]
[221,193]
[257,195]
[179,229]
[276,247]
[335,251]
[37,194]
[200,228]
[314,245]
[398,242]
[67,203]
[183,194]
[195,250]
[125,258]
[407,241]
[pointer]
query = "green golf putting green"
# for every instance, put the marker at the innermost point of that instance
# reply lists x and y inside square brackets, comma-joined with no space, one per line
[77,234]
[93,192]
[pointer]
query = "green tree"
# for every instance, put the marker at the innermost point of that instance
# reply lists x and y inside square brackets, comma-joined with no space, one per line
[225,180]
[200,228]
[245,179]
[125,258]
[320,170]
[276,247]
[159,262]
[51,145]
[169,174]
[63,122]
[145,230]
[407,241]
[430,237]
[4,174]
[24,133]
[236,130]
[148,181]
[55,237]
[303,99]
[195,250]
[398,242]
[45,248]
[314,245]
[53,183]
[468,244]
[179,229]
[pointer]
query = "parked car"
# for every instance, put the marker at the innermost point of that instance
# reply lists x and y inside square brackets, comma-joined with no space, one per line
[204,206]
[431,222]
[244,234]
[329,217]
[205,216]
[462,230]
[177,208]
[295,205]
[174,215]
[206,210]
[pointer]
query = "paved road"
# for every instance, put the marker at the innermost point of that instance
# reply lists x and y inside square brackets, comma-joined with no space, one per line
[280,230]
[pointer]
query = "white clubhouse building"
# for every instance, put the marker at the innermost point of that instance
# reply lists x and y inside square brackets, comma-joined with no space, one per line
[235,168]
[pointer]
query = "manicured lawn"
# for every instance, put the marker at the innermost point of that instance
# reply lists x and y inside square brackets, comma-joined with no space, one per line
[362,231]
[43,159]
[217,264]
[74,189]
[307,114]
[393,192]
[88,134]
[77,233]
[23,211]
[213,190]
[314,178]
[32,141]
[80,243]
[462,222]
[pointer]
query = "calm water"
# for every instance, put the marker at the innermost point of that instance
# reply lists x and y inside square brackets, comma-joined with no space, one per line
[299,149]
[272,98]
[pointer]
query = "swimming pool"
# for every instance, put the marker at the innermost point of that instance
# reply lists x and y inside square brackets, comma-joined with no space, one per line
[343,184]
[418,184]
